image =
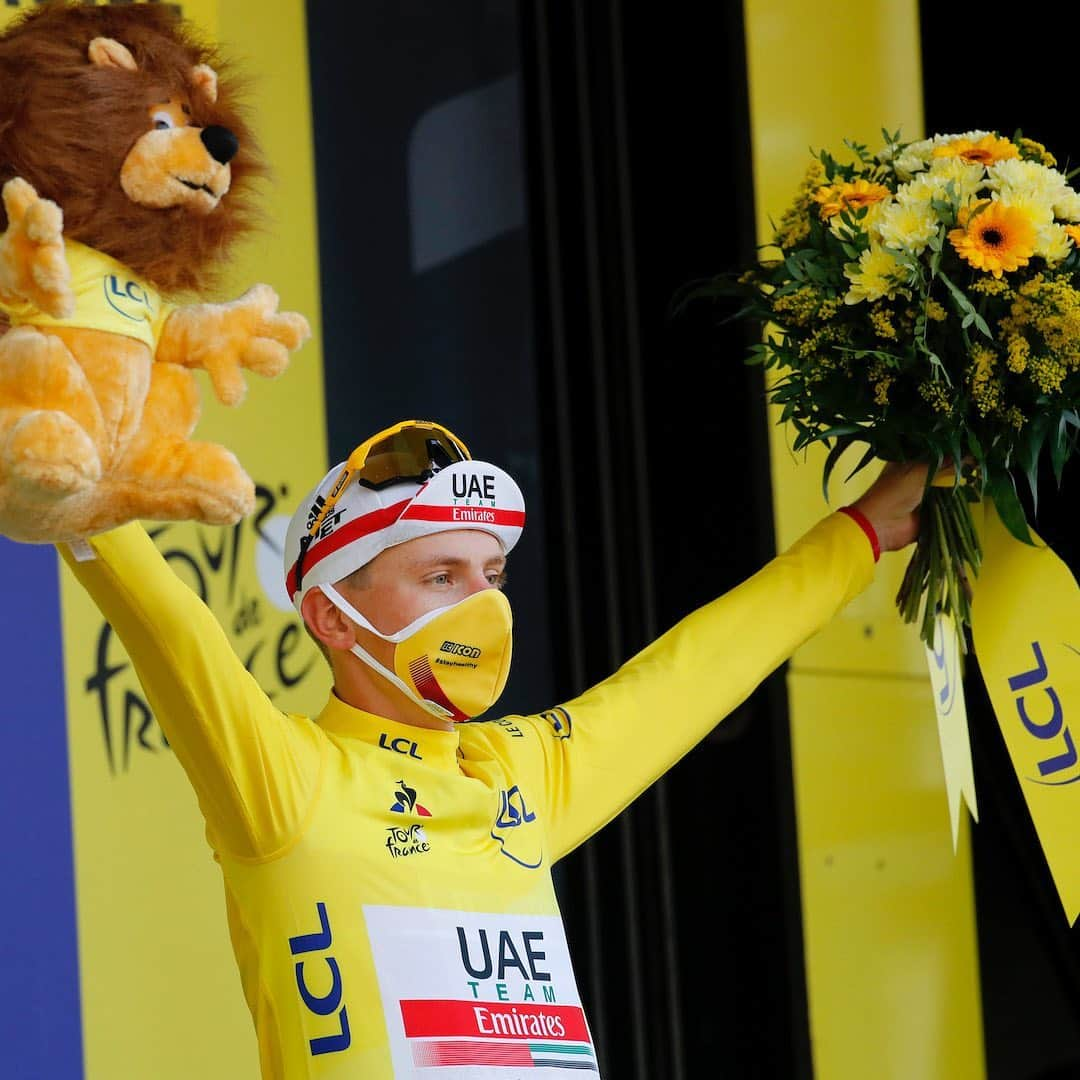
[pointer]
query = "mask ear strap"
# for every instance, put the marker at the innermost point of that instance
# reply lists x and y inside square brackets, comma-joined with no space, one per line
[343,605]
[431,706]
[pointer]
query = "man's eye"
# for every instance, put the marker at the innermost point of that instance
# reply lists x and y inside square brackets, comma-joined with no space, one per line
[441,579]
[162,121]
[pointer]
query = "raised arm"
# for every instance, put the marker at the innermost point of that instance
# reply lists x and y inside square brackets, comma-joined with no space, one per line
[606,746]
[254,768]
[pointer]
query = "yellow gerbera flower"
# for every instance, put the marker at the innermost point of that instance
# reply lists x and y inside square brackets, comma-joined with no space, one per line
[995,238]
[985,151]
[833,198]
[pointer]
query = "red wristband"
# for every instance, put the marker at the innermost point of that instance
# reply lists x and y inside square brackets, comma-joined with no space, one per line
[863,522]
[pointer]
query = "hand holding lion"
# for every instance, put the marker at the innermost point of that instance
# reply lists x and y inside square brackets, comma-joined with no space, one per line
[114,211]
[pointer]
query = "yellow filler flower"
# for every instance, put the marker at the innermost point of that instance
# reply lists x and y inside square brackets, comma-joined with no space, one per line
[996,238]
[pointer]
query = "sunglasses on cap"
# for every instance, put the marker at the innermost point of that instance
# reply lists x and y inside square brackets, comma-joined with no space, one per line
[409,450]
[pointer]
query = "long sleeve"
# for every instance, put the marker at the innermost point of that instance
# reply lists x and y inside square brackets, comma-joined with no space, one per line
[605,747]
[255,770]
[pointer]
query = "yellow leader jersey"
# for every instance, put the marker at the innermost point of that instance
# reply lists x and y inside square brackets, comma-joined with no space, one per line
[108,296]
[388,888]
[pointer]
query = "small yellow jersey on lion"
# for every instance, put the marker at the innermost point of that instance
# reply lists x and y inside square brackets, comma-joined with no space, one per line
[126,169]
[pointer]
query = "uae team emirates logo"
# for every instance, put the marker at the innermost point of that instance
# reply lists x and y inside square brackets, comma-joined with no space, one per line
[473,993]
[410,839]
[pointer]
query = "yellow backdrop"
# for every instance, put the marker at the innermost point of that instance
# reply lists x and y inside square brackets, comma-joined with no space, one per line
[161,997]
[888,911]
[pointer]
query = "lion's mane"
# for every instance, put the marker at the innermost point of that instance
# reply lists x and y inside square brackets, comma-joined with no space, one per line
[66,126]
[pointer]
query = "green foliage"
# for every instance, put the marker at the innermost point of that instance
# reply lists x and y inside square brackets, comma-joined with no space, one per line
[923,300]
[896,361]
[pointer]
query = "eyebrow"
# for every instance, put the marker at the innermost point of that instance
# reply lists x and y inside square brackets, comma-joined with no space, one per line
[453,560]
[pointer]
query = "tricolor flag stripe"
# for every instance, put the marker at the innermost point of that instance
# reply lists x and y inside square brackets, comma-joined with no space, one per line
[436,1053]
[469,1052]
[543,1063]
[559,1048]
[563,1056]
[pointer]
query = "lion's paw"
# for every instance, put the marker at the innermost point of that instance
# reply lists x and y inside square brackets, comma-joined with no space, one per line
[33,266]
[49,456]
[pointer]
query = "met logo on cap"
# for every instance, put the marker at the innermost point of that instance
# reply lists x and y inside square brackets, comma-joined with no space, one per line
[331,521]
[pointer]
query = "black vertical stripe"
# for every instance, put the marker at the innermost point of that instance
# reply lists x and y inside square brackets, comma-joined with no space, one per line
[639,181]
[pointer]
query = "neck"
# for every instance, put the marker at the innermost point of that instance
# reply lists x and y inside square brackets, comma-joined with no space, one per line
[359,686]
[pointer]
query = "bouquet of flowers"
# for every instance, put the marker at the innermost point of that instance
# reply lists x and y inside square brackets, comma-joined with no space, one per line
[924,300]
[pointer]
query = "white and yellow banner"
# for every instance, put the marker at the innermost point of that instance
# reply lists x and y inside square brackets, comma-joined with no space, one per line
[945,662]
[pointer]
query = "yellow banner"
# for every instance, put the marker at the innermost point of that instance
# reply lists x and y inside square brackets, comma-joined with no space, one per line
[1026,626]
[160,993]
[947,681]
[888,916]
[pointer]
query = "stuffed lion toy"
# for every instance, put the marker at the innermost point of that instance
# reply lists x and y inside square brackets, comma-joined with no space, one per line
[126,168]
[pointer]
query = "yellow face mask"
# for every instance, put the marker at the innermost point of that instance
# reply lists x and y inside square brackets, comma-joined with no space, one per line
[454,660]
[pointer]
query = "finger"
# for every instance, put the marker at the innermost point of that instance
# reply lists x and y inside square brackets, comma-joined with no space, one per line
[60,304]
[289,328]
[260,298]
[50,269]
[50,277]
[19,196]
[44,222]
[945,475]
[265,357]
[908,474]
[949,462]
[226,379]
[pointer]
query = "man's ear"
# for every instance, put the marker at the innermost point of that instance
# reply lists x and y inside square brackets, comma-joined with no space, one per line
[326,622]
